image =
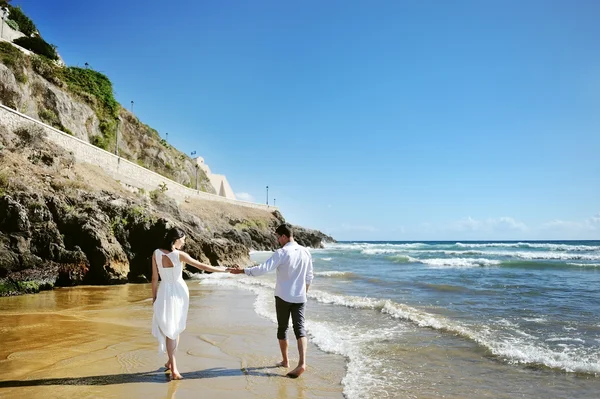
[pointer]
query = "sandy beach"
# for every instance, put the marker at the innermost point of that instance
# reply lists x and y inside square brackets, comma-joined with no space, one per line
[97,342]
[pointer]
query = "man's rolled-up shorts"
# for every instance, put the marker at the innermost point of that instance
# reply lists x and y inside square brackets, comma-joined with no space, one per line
[284,310]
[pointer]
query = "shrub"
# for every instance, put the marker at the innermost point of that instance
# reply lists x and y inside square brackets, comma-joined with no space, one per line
[4,182]
[100,141]
[48,116]
[88,81]
[14,59]
[38,46]
[46,68]
[24,23]
[13,24]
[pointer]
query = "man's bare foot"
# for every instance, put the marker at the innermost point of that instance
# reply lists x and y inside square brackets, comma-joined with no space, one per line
[283,364]
[295,373]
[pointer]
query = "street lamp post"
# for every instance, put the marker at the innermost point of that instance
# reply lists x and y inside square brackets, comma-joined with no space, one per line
[274,201]
[197,167]
[267,195]
[132,106]
[117,139]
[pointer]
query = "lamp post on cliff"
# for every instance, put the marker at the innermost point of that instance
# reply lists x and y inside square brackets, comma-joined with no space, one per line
[197,167]
[267,195]
[132,106]
[117,139]
[274,201]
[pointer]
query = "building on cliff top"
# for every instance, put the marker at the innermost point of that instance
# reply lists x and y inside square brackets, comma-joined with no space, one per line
[219,182]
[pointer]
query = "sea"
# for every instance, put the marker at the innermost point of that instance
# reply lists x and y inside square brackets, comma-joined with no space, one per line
[452,319]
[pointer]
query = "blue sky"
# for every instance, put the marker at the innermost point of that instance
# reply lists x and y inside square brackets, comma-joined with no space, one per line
[368,120]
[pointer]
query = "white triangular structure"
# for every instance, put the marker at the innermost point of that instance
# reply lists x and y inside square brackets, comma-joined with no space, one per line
[219,182]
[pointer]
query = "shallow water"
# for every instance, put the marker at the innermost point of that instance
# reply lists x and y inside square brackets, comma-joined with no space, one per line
[456,320]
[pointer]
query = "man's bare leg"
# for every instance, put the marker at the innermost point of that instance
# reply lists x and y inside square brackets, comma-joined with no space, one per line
[283,345]
[295,373]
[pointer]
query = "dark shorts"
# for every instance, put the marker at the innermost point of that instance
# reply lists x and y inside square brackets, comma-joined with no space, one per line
[284,310]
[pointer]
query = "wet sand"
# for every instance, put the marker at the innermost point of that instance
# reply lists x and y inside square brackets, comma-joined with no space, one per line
[97,342]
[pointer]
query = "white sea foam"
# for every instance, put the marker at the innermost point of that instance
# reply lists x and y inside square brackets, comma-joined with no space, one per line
[459,262]
[326,259]
[509,343]
[333,273]
[535,319]
[555,339]
[365,246]
[585,264]
[526,255]
[515,349]
[375,248]
[344,340]
[549,246]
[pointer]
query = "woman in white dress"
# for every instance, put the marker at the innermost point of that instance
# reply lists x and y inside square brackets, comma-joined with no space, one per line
[170,299]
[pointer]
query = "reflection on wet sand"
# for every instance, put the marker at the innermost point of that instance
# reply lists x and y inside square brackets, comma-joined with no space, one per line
[96,342]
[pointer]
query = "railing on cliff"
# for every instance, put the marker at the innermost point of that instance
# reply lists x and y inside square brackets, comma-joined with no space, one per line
[115,166]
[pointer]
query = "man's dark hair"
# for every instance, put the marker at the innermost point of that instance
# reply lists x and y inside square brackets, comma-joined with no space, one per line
[285,230]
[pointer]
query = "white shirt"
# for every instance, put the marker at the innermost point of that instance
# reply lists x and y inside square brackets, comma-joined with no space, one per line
[294,271]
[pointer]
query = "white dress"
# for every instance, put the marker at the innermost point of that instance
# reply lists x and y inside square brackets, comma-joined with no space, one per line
[172,300]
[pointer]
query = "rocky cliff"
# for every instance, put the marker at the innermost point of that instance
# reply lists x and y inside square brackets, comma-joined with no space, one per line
[64,223]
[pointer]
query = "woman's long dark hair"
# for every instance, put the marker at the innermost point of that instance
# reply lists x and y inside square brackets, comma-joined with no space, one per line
[172,235]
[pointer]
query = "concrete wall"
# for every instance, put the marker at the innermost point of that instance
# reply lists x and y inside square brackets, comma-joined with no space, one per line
[116,167]
[8,33]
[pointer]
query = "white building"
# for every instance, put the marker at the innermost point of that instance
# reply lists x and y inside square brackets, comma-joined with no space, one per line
[219,182]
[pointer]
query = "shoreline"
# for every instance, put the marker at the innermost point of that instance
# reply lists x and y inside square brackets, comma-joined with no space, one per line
[96,341]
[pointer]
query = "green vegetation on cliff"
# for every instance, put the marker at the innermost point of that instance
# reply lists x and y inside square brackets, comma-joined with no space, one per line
[138,142]
[25,24]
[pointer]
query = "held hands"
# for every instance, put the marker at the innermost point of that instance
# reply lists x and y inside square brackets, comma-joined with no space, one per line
[235,270]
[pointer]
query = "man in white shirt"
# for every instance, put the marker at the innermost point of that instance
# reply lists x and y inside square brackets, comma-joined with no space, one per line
[294,268]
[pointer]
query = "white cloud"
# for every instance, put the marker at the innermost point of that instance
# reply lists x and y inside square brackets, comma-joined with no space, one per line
[349,227]
[244,197]
[490,225]
[591,224]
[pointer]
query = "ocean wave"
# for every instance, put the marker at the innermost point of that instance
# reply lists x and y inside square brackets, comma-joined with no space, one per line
[326,259]
[360,246]
[403,259]
[342,340]
[513,254]
[333,273]
[386,248]
[585,264]
[459,262]
[515,348]
[555,339]
[549,246]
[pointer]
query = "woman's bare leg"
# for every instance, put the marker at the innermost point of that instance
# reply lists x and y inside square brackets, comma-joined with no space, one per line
[171,347]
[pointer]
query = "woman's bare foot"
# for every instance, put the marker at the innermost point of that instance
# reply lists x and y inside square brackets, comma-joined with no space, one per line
[176,376]
[283,364]
[168,366]
[295,373]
